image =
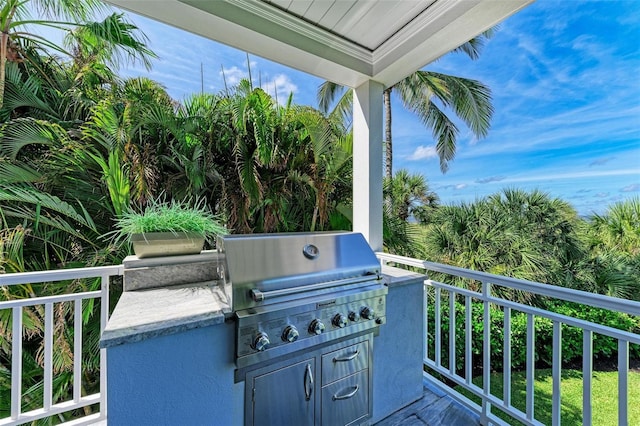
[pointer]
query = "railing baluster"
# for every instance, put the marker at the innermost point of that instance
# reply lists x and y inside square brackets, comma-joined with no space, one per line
[438,329]
[507,357]
[104,318]
[425,295]
[452,333]
[468,339]
[16,363]
[77,350]
[530,365]
[48,356]
[623,382]
[587,375]
[557,372]
[486,350]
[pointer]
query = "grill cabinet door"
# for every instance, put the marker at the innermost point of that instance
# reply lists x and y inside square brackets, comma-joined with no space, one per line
[285,396]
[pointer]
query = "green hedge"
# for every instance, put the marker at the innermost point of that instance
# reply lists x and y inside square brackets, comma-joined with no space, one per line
[604,348]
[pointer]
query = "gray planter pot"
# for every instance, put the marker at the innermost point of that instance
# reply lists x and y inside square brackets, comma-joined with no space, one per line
[154,244]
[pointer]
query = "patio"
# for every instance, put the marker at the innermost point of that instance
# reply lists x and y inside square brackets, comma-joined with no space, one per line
[347,47]
[434,408]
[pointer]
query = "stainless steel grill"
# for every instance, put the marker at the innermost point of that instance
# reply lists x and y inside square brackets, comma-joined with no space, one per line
[305,295]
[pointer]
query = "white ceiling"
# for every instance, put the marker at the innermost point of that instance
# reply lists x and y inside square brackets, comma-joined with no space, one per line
[345,41]
[357,21]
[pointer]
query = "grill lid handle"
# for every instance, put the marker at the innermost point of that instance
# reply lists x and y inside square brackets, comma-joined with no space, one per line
[256,295]
[259,295]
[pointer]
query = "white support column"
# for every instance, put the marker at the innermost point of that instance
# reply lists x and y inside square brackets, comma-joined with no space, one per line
[367,162]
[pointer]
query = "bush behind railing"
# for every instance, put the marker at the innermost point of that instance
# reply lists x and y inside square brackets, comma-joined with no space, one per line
[605,348]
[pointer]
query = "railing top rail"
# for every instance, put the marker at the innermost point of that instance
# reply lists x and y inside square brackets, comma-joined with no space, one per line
[33,301]
[562,293]
[60,274]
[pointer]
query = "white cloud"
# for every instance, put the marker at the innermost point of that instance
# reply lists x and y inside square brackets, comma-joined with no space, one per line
[601,161]
[460,186]
[573,175]
[423,152]
[280,87]
[233,75]
[490,179]
[635,187]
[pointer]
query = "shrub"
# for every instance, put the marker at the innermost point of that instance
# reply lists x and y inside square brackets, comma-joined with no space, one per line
[604,347]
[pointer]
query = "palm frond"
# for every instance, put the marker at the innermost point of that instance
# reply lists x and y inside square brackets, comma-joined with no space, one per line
[21,132]
[26,195]
[113,40]
[445,132]
[17,173]
[327,94]
[473,47]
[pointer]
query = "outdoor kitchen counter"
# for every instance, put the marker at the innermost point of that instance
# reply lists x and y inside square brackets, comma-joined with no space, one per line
[153,312]
[394,277]
[144,314]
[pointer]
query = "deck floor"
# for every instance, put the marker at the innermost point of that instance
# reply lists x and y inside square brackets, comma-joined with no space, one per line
[433,409]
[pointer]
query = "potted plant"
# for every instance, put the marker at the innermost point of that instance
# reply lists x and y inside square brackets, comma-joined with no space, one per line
[169,228]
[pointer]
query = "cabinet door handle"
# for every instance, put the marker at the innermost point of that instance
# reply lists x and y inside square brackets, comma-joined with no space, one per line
[337,397]
[308,382]
[347,358]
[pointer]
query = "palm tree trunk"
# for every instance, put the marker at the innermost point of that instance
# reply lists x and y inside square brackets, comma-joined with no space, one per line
[387,133]
[4,42]
[4,46]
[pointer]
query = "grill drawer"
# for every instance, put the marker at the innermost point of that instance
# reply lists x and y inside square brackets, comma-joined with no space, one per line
[344,362]
[346,401]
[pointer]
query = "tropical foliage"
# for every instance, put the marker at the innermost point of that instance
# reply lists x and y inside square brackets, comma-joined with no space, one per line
[80,148]
[530,235]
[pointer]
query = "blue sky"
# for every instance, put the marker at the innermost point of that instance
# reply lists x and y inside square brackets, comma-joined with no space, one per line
[565,77]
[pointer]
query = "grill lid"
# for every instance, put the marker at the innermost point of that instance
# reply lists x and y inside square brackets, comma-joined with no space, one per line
[283,263]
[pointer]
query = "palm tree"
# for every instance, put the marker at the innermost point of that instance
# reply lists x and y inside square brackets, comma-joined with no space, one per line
[619,227]
[614,246]
[420,93]
[109,40]
[407,193]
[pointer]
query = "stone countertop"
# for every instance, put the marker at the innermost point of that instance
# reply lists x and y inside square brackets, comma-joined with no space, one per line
[144,314]
[394,277]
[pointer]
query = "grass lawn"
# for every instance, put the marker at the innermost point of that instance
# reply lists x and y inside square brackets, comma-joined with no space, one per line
[604,396]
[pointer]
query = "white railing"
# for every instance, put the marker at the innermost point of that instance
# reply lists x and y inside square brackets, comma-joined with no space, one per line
[49,408]
[433,301]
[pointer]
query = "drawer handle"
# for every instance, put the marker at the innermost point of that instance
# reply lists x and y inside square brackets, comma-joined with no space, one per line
[308,382]
[347,358]
[348,395]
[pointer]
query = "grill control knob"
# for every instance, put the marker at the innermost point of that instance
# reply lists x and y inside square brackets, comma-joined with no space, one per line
[261,342]
[316,327]
[290,334]
[339,320]
[354,316]
[367,313]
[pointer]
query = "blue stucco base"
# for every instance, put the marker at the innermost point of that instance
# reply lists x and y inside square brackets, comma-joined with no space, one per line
[398,351]
[184,378]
